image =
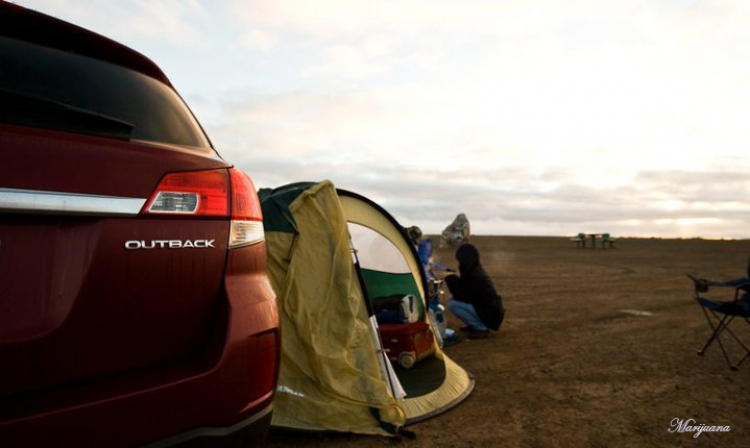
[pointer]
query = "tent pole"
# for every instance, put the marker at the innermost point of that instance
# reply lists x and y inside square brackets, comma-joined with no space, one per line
[371,313]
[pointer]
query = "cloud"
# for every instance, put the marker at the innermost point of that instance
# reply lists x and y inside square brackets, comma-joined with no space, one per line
[713,187]
[347,61]
[432,199]
[178,22]
[329,18]
[533,117]
[259,40]
[423,161]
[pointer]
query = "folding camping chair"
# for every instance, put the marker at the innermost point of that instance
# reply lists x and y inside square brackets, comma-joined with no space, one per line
[724,313]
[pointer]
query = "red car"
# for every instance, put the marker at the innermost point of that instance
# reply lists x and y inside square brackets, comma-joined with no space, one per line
[135,307]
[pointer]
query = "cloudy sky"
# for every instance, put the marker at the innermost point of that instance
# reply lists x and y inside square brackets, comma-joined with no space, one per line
[532,117]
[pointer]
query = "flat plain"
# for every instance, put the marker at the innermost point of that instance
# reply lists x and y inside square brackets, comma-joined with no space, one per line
[599,349]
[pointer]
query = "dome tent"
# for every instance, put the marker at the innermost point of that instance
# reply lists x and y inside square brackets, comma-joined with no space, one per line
[329,251]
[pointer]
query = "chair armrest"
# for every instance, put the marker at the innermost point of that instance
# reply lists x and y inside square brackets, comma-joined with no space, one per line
[701,285]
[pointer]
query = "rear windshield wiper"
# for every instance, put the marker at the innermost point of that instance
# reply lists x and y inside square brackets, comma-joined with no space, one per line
[31,110]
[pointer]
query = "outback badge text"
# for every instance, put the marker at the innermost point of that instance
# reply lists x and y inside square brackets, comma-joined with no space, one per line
[169,244]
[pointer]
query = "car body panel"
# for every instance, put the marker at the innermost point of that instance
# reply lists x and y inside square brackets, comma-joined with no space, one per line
[213,390]
[40,159]
[118,327]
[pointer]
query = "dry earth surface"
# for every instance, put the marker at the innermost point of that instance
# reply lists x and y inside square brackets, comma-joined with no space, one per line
[576,363]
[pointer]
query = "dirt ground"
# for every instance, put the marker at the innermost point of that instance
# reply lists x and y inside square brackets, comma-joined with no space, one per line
[598,349]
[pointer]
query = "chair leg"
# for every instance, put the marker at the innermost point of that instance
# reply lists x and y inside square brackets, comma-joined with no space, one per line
[729,330]
[716,329]
[747,354]
[723,325]
[726,323]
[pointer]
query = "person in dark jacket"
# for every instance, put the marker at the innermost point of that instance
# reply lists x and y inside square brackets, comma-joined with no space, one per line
[474,298]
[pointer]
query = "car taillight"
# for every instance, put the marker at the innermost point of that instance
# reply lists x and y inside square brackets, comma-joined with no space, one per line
[199,193]
[207,193]
[247,218]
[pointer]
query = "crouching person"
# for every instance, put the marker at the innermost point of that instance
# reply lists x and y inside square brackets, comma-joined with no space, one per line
[474,298]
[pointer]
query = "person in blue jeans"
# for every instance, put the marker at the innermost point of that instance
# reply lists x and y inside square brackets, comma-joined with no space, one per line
[474,299]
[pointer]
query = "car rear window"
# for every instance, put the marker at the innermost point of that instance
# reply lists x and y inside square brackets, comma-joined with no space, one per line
[49,88]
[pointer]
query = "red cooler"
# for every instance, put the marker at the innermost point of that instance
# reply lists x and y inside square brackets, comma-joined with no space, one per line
[407,343]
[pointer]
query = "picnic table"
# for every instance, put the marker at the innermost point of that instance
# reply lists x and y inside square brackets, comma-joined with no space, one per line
[606,240]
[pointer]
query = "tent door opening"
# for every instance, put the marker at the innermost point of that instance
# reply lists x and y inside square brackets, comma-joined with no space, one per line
[398,308]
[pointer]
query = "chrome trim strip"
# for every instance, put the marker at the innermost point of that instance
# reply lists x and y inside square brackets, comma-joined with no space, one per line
[59,203]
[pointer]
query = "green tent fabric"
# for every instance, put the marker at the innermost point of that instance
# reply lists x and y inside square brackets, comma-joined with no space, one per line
[384,284]
[276,214]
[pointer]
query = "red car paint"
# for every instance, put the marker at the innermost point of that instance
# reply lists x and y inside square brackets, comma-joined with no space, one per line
[104,344]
